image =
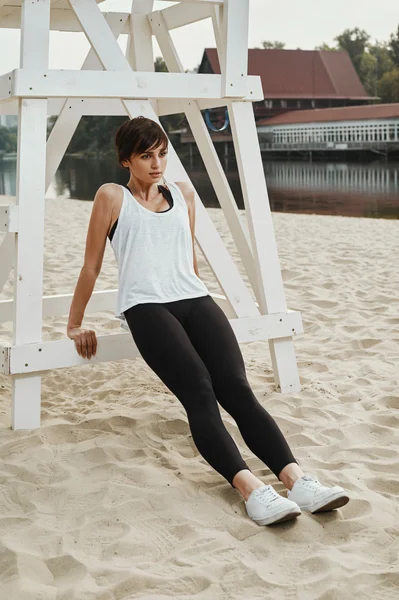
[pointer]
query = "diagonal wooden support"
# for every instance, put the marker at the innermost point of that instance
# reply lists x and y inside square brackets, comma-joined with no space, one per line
[257,206]
[99,34]
[69,117]
[184,14]
[207,151]
[217,24]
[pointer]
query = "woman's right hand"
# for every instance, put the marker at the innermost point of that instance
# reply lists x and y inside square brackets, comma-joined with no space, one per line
[85,341]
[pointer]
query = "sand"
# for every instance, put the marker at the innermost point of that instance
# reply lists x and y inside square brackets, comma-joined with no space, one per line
[110,499]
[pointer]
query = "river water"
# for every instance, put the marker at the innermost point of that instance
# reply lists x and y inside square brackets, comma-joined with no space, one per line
[368,189]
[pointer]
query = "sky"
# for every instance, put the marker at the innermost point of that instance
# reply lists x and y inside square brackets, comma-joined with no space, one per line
[298,23]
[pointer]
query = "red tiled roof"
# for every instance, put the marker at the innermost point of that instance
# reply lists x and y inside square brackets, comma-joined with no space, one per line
[347,113]
[301,73]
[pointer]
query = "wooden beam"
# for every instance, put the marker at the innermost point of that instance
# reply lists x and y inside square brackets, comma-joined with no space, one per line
[123,84]
[234,40]
[111,106]
[7,251]
[257,207]
[60,19]
[99,34]
[9,218]
[208,152]
[44,356]
[180,15]
[59,305]
[31,165]
[73,109]
[201,1]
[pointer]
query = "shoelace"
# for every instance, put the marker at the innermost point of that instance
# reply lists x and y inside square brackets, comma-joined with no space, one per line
[311,483]
[266,495]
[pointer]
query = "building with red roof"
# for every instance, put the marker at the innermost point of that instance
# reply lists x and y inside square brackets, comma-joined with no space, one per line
[298,79]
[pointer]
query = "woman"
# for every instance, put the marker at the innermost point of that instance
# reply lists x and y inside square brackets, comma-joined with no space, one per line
[180,332]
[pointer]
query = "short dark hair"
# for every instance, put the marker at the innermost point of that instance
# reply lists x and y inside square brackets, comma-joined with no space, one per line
[137,136]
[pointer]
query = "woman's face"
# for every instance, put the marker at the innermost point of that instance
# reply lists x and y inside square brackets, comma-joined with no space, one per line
[150,166]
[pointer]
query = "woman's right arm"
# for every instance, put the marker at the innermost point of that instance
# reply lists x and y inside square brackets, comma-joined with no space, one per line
[100,220]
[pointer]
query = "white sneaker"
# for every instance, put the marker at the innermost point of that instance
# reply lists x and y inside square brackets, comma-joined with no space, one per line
[314,497]
[265,507]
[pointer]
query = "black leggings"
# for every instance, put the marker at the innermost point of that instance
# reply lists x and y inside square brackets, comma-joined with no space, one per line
[192,347]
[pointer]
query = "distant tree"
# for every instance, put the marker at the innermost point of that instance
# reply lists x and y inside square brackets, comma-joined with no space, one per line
[325,46]
[355,42]
[267,45]
[382,53]
[368,73]
[388,86]
[394,47]
[374,62]
[160,65]
[8,139]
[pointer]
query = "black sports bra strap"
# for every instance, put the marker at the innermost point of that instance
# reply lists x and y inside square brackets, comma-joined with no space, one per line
[166,193]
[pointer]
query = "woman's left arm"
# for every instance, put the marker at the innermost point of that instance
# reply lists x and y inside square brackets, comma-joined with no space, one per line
[189,196]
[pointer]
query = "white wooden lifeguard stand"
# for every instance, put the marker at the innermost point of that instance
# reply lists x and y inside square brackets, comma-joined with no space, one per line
[111,83]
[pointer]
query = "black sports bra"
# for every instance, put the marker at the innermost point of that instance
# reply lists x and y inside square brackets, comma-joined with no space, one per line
[166,193]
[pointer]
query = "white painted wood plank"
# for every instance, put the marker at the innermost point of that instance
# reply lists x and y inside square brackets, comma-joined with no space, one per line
[6,87]
[112,84]
[7,251]
[44,356]
[31,164]
[168,107]
[69,118]
[161,32]
[35,35]
[60,137]
[28,277]
[111,106]
[139,49]
[8,218]
[60,19]
[217,24]
[180,15]
[208,152]
[99,34]
[271,290]
[203,1]
[58,305]
[234,67]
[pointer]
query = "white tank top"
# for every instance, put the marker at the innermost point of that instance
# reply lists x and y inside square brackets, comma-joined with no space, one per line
[154,254]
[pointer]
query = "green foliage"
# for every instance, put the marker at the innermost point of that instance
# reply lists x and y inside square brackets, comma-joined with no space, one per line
[388,86]
[95,136]
[160,65]
[394,47]
[376,63]
[380,50]
[355,42]
[368,73]
[8,139]
[267,45]
[326,47]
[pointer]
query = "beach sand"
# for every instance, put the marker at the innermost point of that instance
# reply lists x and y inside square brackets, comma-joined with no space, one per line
[110,499]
